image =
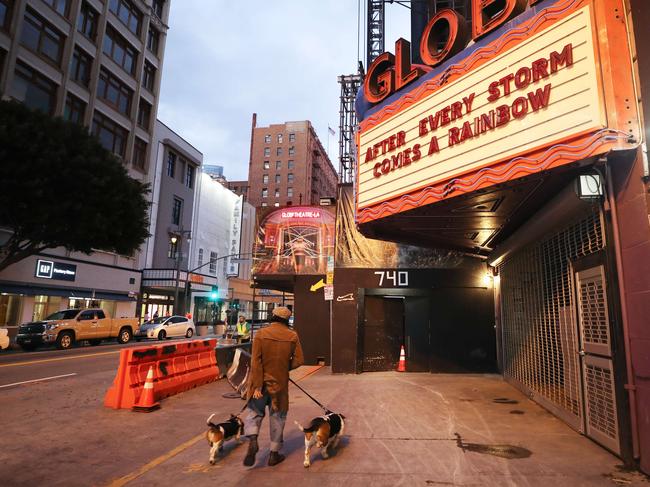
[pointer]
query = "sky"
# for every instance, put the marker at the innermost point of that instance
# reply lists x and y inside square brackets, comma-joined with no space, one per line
[225,60]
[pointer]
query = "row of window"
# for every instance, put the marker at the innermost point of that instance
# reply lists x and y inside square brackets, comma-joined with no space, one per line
[267,138]
[278,151]
[187,176]
[265,193]
[265,178]
[278,164]
[44,40]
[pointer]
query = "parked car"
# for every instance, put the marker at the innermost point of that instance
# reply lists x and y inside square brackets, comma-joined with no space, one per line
[70,325]
[166,327]
[4,338]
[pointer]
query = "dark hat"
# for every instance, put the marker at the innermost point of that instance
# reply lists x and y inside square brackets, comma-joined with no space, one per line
[282,312]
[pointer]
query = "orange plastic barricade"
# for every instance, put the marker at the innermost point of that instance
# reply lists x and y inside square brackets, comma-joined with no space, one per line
[178,367]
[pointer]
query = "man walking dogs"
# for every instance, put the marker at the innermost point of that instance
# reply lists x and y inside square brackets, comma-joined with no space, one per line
[276,350]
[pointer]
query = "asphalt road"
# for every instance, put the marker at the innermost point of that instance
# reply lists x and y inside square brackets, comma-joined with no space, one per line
[18,368]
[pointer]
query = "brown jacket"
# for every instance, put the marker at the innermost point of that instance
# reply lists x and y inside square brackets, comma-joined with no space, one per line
[276,350]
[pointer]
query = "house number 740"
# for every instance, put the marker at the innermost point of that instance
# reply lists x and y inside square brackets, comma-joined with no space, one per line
[397,278]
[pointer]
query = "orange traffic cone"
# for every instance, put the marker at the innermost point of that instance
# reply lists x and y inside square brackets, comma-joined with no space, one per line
[401,366]
[147,403]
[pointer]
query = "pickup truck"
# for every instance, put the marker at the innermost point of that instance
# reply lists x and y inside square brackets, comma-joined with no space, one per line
[70,325]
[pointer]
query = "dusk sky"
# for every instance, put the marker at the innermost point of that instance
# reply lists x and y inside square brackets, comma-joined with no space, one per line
[280,59]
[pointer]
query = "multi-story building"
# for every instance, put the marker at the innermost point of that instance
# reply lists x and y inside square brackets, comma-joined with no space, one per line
[175,192]
[97,63]
[240,188]
[288,166]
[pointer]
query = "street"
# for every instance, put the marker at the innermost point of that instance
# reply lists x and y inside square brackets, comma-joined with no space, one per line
[409,429]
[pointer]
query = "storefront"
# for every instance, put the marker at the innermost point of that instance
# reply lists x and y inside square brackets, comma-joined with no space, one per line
[525,149]
[40,285]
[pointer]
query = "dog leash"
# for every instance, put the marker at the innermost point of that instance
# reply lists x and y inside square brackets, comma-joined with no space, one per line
[327,411]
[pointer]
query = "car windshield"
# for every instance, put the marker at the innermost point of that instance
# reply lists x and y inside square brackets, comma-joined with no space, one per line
[156,321]
[66,314]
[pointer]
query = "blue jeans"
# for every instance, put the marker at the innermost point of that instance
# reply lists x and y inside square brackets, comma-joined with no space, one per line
[255,414]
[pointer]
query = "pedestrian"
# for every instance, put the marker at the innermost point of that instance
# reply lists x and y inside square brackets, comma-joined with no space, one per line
[146,317]
[155,314]
[243,330]
[276,350]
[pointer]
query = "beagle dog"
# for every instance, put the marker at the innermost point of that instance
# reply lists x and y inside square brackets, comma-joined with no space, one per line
[217,434]
[324,432]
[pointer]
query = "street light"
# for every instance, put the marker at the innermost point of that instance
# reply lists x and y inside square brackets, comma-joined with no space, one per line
[175,238]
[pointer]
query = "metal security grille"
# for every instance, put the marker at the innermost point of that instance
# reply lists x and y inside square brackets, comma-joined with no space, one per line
[602,423]
[540,341]
[594,321]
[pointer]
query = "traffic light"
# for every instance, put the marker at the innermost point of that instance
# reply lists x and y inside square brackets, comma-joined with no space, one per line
[214,294]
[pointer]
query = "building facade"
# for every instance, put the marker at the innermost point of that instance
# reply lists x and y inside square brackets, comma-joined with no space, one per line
[175,191]
[98,64]
[522,144]
[288,166]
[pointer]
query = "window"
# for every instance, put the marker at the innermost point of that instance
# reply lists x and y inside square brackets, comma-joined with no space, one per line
[41,38]
[33,89]
[265,193]
[128,14]
[172,251]
[74,109]
[277,179]
[277,192]
[5,13]
[148,76]
[86,315]
[111,135]
[100,314]
[292,137]
[80,67]
[114,92]
[153,39]
[267,139]
[267,151]
[290,177]
[60,6]
[264,203]
[289,164]
[177,210]
[265,179]
[189,176]
[200,258]
[157,7]
[292,151]
[266,165]
[279,138]
[119,50]
[87,22]
[278,151]
[213,262]
[289,192]
[3,54]
[278,165]
[171,164]
[144,114]
[139,154]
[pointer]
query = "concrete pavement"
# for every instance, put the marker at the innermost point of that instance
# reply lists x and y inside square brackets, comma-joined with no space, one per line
[401,429]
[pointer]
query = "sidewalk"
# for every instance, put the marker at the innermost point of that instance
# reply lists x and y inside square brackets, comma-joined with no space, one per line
[408,429]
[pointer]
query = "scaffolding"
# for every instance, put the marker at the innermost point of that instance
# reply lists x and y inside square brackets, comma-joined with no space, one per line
[350,85]
[375,33]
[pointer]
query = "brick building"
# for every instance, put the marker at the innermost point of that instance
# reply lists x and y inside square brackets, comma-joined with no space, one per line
[240,188]
[288,166]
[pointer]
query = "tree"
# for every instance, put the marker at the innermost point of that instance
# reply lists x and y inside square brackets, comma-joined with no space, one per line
[60,188]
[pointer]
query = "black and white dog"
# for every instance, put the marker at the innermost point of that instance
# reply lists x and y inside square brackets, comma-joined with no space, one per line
[217,434]
[324,432]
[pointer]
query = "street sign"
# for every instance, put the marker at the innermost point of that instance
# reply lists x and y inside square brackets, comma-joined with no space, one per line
[328,291]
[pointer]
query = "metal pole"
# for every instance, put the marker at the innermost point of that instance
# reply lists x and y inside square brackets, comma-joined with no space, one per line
[253,314]
[178,269]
